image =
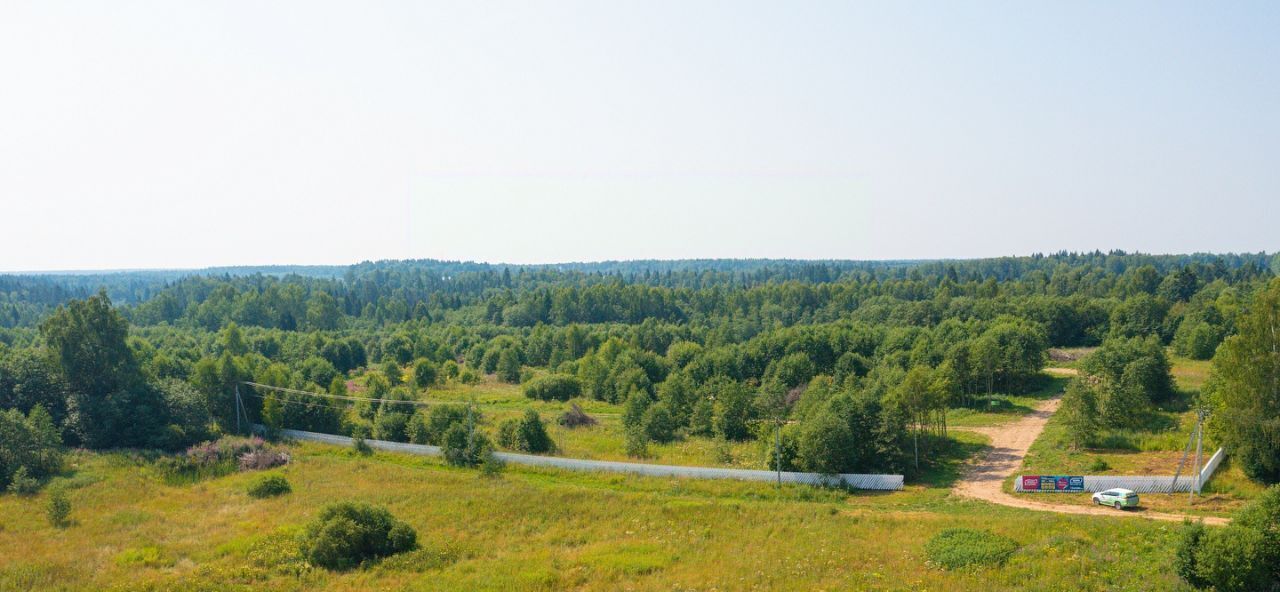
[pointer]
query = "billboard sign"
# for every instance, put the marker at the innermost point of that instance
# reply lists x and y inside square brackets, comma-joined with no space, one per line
[1066,483]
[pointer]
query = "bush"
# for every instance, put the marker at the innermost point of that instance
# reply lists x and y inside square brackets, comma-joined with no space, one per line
[468,376]
[526,434]
[826,445]
[955,548]
[533,433]
[637,443]
[29,444]
[269,486]
[391,426]
[58,508]
[1263,515]
[508,368]
[21,484]
[659,425]
[492,466]
[553,387]
[575,417]
[348,534]
[462,448]
[428,427]
[1184,557]
[1234,559]
[1242,556]
[424,373]
[507,433]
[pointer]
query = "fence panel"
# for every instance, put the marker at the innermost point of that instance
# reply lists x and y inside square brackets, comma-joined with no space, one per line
[856,481]
[1141,483]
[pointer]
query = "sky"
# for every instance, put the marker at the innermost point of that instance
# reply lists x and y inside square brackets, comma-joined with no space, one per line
[182,134]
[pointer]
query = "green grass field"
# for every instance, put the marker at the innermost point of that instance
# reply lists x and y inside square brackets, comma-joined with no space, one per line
[543,529]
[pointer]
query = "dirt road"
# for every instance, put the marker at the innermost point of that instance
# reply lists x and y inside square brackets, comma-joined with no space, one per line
[1009,444]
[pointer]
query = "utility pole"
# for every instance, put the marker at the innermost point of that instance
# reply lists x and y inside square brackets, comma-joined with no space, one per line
[1199,442]
[777,451]
[1186,450]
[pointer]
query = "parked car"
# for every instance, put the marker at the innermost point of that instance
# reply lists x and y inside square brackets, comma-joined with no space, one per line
[1117,498]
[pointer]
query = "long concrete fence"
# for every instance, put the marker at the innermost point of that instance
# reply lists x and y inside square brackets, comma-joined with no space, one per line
[1140,483]
[856,481]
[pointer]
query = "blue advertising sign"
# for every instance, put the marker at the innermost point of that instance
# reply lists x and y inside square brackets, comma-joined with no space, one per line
[1065,483]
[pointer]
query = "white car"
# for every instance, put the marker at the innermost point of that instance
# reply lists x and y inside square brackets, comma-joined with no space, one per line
[1117,498]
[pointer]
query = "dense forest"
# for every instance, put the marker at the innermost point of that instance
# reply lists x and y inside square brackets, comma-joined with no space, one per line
[859,360]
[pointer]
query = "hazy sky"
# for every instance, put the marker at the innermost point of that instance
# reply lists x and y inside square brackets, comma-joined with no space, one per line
[189,134]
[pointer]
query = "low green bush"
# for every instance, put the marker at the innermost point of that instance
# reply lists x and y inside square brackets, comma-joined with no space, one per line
[955,548]
[553,387]
[527,434]
[269,486]
[1242,556]
[348,534]
[23,484]
[58,508]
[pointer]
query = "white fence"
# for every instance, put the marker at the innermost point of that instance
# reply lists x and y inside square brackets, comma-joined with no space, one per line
[876,482]
[1140,484]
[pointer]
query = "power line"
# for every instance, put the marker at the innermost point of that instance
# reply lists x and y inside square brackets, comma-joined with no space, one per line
[344,397]
[303,403]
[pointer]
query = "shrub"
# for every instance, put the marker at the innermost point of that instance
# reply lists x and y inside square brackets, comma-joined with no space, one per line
[955,548]
[492,466]
[1234,559]
[575,417]
[269,486]
[507,433]
[462,448]
[29,444]
[826,445]
[468,376]
[637,443]
[428,427]
[1184,557]
[508,368]
[449,370]
[58,508]
[424,373]
[348,534]
[21,484]
[659,425]
[360,446]
[391,425]
[1263,515]
[1099,464]
[527,434]
[553,387]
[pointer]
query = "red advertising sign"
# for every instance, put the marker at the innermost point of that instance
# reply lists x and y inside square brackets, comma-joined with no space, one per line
[1031,482]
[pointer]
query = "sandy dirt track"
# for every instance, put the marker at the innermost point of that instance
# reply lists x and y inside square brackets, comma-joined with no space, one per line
[1009,444]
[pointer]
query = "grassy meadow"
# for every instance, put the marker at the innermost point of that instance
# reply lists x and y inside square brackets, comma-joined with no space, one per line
[544,529]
